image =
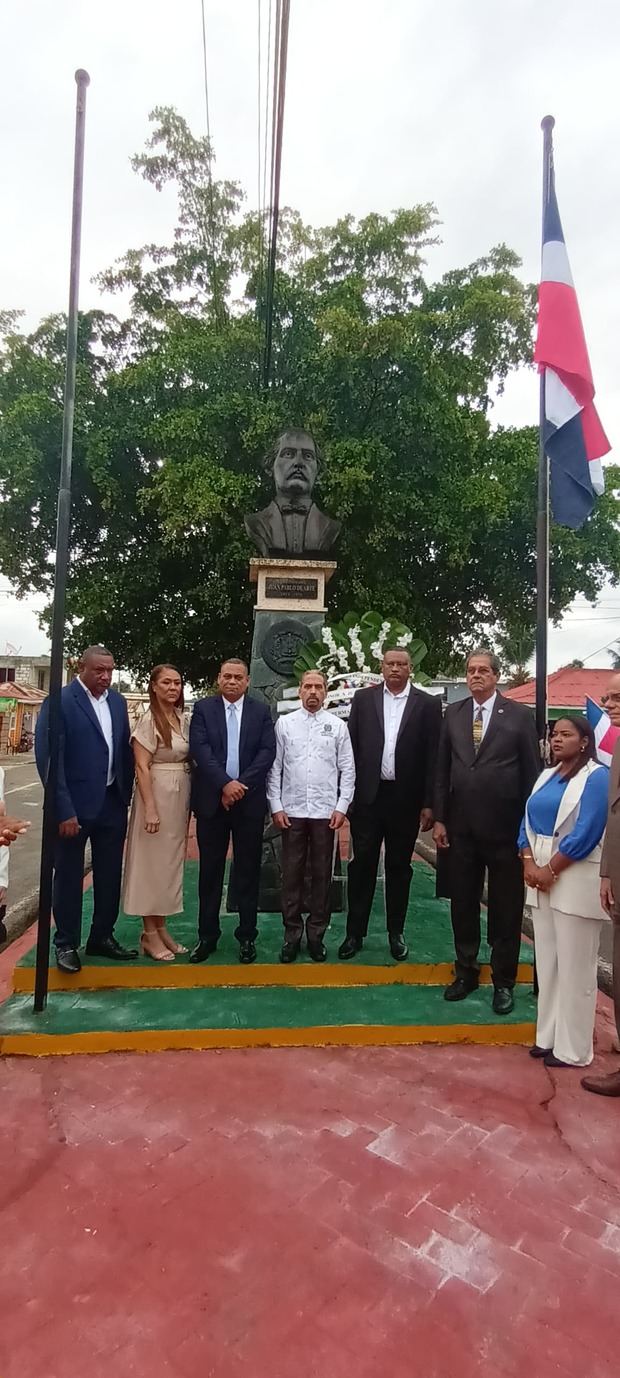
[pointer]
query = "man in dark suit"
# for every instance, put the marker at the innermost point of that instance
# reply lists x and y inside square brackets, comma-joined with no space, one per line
[609,1083]
[95,778]
[233,746]
[394,730]
[488,761]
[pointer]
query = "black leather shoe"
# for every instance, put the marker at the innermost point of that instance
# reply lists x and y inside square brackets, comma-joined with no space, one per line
[459,989]
[539,1052]
[289,952]
[203,949]
[398,948]
[247,952]
[108,947]
[503,1002]
[317,951]
[349,948]
[552,1061]
[68,959]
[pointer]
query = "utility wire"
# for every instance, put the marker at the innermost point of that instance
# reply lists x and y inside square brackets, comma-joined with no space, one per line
[279,94]
[213,265]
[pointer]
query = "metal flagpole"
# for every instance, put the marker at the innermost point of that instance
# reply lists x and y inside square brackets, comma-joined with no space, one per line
[63,520]
[542,520]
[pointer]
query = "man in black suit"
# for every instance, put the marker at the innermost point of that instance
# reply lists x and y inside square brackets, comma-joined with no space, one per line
[95,778]
[394,730]
[233,745]
[488,761]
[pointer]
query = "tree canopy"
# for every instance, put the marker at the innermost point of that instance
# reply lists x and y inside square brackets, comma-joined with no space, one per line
[393,372]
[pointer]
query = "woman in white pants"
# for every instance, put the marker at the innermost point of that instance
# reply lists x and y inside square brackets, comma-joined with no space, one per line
[560,844]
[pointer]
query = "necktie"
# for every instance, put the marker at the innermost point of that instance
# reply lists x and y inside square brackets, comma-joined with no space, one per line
[477,729]
[232,755]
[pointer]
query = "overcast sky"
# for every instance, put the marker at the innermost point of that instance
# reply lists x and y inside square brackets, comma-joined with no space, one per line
[387,105]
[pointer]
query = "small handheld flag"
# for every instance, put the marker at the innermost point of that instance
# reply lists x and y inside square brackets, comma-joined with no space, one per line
[605,734]
[573,436]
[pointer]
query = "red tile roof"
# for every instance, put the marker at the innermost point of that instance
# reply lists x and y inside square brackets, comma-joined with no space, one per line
[568,688]
[24,693]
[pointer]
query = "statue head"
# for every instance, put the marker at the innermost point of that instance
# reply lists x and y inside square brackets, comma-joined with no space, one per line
[294,461]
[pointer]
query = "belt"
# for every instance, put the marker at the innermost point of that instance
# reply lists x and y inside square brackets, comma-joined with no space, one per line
[171,765]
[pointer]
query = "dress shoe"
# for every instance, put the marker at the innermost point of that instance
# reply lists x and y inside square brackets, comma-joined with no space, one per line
[247,951]
[459,989]
[603,1086]
[68,959]
[503,1000]
[552,1061]
[398,947]
[204,948]
[108,947]
[349,948]
[539,1052]
[317,951]
[289,952]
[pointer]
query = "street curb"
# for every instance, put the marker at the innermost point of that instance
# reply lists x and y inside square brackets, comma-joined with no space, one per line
[605,982]
[19,917]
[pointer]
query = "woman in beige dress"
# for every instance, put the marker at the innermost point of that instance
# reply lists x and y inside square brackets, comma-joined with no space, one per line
[156,842]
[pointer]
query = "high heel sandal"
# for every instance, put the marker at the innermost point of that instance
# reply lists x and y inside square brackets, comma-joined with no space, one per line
[177,949]
[166,956]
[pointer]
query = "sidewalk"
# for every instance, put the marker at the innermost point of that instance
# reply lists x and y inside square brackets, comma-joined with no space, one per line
[447,1212]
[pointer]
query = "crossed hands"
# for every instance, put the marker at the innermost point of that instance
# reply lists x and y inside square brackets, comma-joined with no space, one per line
[232,793]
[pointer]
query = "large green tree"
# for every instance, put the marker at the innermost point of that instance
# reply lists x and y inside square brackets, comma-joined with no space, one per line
[393,372]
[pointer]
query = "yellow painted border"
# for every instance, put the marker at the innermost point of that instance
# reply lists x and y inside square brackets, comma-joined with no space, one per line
[187,977]
[317,1036]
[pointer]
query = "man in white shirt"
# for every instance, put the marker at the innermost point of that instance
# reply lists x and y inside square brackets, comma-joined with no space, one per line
[309,789]
[93,790]
[394,729]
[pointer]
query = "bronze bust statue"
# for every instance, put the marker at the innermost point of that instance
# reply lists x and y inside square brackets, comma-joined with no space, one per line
[292,524]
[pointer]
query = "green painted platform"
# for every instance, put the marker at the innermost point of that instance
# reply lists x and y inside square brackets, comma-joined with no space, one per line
[151,1006]
[428,931]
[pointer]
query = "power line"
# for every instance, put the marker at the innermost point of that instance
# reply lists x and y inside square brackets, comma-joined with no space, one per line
[213,266]
[279,93]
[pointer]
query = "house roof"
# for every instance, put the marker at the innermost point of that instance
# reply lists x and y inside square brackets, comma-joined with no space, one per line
[24,693]
[567,688]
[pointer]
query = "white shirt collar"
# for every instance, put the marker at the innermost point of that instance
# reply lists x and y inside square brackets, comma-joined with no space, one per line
[404,693]
[487,706]
[308,714]
[102,697]
[238,705]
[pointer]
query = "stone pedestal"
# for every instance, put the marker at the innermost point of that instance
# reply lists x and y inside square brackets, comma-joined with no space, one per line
[289,613]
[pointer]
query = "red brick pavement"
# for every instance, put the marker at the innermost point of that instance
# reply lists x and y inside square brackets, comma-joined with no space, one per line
[442,1212]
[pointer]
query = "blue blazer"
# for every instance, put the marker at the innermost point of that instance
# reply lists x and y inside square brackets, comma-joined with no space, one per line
[83,760]
[208,747]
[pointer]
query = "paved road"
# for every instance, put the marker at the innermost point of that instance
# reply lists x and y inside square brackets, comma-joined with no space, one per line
[24,798]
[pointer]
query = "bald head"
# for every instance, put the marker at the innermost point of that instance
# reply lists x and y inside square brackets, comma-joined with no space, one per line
[96,666]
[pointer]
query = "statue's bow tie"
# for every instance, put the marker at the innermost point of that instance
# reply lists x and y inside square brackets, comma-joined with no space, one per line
[291,510]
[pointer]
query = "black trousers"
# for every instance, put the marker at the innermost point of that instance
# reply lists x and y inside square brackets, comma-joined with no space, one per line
[107,839]
[384,821]
[305,836]
[213,835]
[469,856]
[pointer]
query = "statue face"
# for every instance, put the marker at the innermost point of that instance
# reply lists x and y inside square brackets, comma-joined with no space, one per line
[295,466]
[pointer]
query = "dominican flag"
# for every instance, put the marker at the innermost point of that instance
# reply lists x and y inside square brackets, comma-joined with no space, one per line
[605,735]
[574,437]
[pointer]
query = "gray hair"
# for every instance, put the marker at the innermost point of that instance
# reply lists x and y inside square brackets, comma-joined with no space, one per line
[489,655]
[314,672]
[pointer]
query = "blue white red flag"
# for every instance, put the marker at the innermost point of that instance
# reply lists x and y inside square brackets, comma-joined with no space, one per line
[574,437]
[606,735]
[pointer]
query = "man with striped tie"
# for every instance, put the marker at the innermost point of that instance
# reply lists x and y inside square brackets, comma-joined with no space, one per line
[488,761]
